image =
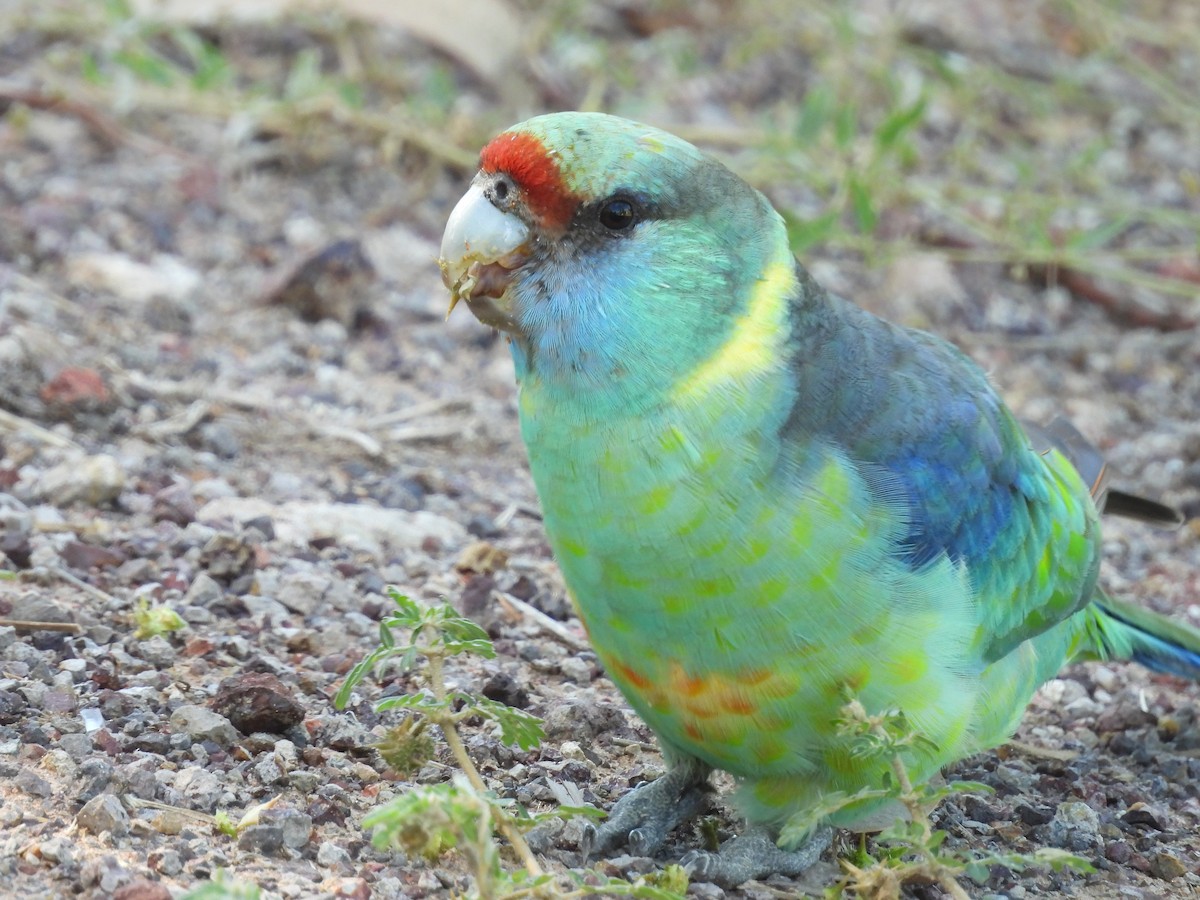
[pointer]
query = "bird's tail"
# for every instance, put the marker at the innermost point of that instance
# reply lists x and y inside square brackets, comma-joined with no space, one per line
[1116,629]
[1125,631]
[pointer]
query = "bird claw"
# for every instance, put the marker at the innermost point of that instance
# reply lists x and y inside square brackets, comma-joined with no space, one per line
[753,855]
[643,818]
[643,842]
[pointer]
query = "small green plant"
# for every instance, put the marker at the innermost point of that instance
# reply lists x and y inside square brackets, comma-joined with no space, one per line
[153,619]
[224,824]
[909,852]
[462,814]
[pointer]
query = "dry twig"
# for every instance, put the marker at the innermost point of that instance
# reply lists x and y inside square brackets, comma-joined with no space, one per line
[555,627]
[33,625]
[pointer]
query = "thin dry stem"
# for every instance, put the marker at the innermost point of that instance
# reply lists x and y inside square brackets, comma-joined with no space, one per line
[446,722]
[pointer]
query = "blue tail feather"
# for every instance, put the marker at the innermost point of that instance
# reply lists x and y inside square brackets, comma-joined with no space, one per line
[1156,642]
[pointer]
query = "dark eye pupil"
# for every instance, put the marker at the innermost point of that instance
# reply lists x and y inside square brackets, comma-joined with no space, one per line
[617,215]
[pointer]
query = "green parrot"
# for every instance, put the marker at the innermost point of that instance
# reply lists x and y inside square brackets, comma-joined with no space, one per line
[765,500]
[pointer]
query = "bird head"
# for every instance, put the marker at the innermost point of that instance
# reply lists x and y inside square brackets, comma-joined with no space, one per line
[604,248]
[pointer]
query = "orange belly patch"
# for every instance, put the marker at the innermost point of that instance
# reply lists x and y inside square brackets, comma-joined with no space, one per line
[712,707]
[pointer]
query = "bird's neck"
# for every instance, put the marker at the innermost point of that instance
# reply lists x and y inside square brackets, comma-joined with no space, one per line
[641,337]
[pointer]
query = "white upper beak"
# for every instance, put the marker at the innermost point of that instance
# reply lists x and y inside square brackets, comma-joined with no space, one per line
[477,235]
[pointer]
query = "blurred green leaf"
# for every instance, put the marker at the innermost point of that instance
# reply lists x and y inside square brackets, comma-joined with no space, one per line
[899,123]
[89,67]
[806,233]
[814,115]
[1097,237]
[845,127]
[146,66]
[865,216]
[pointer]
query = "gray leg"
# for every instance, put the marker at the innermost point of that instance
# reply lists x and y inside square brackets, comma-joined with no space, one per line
[754,855]
[644,817]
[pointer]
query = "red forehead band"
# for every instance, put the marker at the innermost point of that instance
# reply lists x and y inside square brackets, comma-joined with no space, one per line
[525,160]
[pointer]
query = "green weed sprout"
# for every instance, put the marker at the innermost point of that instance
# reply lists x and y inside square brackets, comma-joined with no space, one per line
[152,619]
[462,813]
[909,852]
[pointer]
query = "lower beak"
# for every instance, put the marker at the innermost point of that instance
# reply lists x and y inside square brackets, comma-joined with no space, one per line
[481,248]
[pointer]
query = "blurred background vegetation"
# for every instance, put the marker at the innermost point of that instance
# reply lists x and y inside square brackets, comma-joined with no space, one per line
[1059,138]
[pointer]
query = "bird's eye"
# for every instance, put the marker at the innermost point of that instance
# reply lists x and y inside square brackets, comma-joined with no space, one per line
[618,215]
[500,189]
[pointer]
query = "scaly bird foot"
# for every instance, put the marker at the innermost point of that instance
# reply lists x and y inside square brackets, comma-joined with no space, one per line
[753,855]
[642,819]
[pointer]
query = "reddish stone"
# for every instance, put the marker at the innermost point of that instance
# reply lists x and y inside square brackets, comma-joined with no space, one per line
[75,386]
[82,557]
[142,889]
[257,701]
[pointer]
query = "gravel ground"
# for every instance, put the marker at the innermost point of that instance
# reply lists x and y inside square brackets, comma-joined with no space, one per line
[227,388]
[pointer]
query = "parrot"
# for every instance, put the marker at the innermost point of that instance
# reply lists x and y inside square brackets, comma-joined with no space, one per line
[765,500]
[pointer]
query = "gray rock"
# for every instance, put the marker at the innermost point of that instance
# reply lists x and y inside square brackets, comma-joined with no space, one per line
[33,784]
[35,608]
[169,863]
[203,590]
[545,836]
[10,816]
[139,778]
[636,865]
[94,480]
[330,854]
[356,526]
[296,827]
[576,669]
[196,534]
[267,609]
[15,517]
[285,486]
[303,592]
[342,733]
[220,439]
[94,777]
[158,652]
[204,725]
[76,668]
[267,770]
[581,719]
[705,891]
[130,279]
[389,888]
[196,615]
[287,754]
[263,839]
[1075,827]
[1167,866]
[199,787]
[358,625]
[57,850]
[106,874]
[103,813]
[305,781]
[61,763]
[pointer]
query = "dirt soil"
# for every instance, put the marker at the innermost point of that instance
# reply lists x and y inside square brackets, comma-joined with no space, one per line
[227,388]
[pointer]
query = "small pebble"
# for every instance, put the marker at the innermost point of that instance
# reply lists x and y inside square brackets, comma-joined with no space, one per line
[103,813]
[1166,866]
[204,725]
[330,854]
